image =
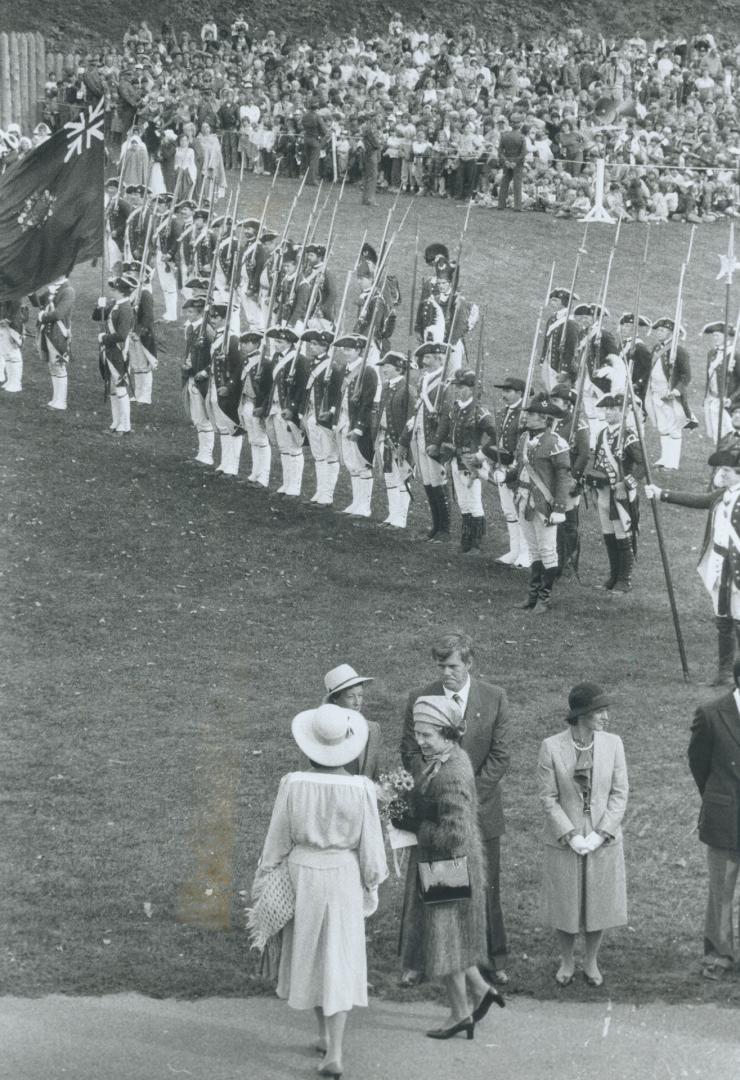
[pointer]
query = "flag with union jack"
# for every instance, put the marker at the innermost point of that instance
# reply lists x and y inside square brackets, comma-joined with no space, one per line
[51,206]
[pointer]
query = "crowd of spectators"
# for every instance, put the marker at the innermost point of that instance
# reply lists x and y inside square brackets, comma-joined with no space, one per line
[664,114]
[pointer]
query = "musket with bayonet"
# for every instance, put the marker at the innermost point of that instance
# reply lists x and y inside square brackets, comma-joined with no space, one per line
[324,409]
[318,278]
[583,362]
[366,352]
[529,381]
[632,345]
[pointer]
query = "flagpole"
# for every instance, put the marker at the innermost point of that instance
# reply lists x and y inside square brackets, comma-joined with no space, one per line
[725,359]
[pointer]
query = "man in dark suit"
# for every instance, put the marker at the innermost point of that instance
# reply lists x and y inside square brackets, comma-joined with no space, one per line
[714,760]
[512,153]
[486,741]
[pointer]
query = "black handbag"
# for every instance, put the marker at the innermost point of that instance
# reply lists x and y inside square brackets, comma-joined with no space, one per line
[445,880]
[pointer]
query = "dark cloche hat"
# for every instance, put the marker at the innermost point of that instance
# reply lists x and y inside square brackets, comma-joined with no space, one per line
[584,698]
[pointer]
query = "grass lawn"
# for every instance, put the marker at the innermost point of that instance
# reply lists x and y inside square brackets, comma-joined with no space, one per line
[161,627]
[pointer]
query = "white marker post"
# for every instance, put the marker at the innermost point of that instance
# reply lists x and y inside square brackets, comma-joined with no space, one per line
[597,212]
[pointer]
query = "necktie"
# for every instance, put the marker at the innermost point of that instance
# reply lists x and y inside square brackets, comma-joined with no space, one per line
[458,701]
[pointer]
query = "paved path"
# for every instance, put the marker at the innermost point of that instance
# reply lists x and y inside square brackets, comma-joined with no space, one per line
[129,1037]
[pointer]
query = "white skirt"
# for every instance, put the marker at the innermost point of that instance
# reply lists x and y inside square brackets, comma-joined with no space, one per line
[323,960]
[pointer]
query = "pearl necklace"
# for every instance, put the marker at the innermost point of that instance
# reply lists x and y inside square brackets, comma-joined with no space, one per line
[579,747]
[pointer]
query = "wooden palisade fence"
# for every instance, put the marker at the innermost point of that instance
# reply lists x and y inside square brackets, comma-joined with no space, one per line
[25,66]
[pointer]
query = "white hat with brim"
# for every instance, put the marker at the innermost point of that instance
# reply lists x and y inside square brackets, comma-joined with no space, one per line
[342,678]
[330,735]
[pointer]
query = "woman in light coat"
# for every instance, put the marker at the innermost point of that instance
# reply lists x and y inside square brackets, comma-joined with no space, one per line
[582,781]
[325,823]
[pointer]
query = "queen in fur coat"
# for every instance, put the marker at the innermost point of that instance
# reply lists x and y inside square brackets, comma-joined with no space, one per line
[447,940]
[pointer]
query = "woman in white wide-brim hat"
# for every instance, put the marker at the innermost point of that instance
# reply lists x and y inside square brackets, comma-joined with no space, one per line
[344,687]
[325,823]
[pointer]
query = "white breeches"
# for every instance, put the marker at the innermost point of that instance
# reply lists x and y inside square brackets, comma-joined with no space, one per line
[619,528]
[198,412]
[321,440]
[468,491]
[351,458]
[711,419]
[541,539]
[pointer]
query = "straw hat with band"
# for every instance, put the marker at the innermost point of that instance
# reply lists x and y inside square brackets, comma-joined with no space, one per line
[330,735]
[342,678]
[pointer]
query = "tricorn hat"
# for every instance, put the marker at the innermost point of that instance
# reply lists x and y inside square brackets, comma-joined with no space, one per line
[564,392]
[628,318]
[541,404]
[464,377]
[351,341]
[728,459]
[718,328]
[395,359]
[610,401]
[431,348]
[563,295]
[282,333]
[510,383]
[317,337]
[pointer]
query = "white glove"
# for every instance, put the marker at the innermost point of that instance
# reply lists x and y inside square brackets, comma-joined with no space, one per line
[652,491]
[499,476]
[557,519]
[578,844]
[101,338]
[102,301]
[593,841]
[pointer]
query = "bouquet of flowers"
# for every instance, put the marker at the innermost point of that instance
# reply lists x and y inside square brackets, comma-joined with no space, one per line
[393,790]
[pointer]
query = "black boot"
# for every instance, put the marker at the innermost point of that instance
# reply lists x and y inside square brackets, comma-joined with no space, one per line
[535,583]
[443,514]
[549,574]
[725,649]
[478,531]
[431,498]
[466,539]
[626,563]
[612,552]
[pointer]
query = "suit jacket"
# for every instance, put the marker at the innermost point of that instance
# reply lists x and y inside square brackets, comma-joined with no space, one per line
[486,742]
[560,795]
[714,760]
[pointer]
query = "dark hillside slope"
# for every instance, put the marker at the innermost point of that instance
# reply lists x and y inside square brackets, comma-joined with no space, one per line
[98,20]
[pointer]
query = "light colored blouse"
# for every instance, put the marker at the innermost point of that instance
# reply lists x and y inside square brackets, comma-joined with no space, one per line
[327,814]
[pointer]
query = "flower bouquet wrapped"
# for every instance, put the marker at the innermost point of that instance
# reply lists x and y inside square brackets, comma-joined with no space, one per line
[393,790]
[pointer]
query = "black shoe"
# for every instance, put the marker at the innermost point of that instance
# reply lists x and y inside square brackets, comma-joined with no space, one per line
[465,1025]
[490,997]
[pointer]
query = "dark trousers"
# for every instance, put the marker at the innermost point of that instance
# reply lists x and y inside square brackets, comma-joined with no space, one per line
[466,179]
[495,931]
[312,150]
[507,176]
[370,180]
[229,143]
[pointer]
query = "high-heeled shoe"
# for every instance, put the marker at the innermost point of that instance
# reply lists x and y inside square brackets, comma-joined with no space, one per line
[329,1068]
[465,1025]
[490,998]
